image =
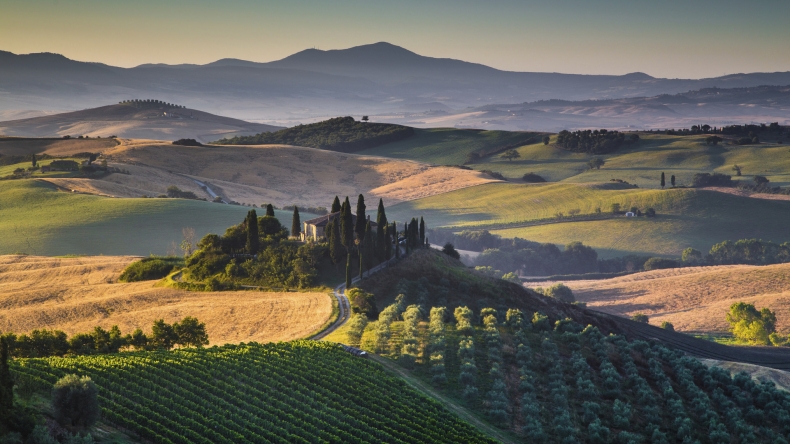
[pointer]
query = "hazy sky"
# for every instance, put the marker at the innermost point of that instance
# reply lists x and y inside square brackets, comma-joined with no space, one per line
[668,38]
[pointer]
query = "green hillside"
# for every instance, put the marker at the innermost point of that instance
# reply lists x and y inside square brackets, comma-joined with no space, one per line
[296,392]
[36,218]
[642,163]
[450,146]
[686,217]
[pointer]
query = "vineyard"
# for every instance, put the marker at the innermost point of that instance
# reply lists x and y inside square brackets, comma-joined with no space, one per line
[294,392]
[560,382]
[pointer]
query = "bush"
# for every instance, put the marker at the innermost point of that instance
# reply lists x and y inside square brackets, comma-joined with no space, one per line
[750,325]
[187,142]
[640,317]
[667,326]
[150,268]
[691,255]
[560,292]
[449,250]
[532,178]
[658,263]
[712,180]
[363,303]
[176,193]
[75,401]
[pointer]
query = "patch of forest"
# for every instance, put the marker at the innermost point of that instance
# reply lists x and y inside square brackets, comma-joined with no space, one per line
[343,134]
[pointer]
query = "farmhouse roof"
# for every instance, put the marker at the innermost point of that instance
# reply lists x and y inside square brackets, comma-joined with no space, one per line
[323,220]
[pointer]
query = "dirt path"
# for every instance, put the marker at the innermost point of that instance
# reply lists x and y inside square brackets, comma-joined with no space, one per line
[449,404]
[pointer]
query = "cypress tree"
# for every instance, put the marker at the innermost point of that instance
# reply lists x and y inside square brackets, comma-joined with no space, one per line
[368,246]
[336,250]
[387,242]
[359,228]
[348,272]
[381,225]
[34,161]
[269,210]
[407,235]
[347,227]
[6,385]
[662,180]
[396,244]
[252,232]
[672,180]
[422,232]
[361,261]
[335,205]
[296,225]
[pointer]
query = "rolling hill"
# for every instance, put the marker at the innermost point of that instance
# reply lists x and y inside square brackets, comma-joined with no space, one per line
[76,294]
[694,300]
[158,121]
[686,217]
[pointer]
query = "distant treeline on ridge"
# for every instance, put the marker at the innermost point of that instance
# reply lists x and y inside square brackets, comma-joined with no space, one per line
[342,134]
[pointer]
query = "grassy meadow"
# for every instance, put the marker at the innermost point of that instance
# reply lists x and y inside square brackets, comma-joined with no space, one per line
[642,164]
[448,146]
[686,217]
[36,218]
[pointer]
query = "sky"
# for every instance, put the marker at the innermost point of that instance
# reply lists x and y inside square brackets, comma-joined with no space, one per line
[668,38]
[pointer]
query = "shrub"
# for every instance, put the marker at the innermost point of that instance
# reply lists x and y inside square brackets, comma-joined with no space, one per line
[176,193]
[449,250]
[187,142]
[560,292]
[640,317]
[75,401]
[362,303]
[149,268]
[532,178]
[657,263]
[712,180]
[667,326]
[750,325]
[691,255]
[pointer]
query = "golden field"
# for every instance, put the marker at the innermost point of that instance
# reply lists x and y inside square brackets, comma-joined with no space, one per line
[77,294]
[694,299]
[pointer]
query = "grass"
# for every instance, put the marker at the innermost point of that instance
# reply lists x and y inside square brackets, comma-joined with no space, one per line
[686,217]
[77,294]
[642,164]
[448,146]
[35,218]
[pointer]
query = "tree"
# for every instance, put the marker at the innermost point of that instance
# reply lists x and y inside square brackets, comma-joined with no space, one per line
[672,180]
[422,231]
[6,385]
[691,255]
[362,303]
[270,210]
[253,241]
[348,272]
[666,325]
[368,247]
[560,292]
[546,140]
[510,155]
[163,335]
[190,333]
[737,169]
[749,325]
[640,317]
[387,242]
[188,241]
[596,162]
[34,161]
[396,239]
[347,226]
[663,182]
[336,250]
[381,230]
[296,224]
[615,208]
[705,128]
[760,180]
[359,227]
[365,118]
[75,401]
[335,205]
[450,250]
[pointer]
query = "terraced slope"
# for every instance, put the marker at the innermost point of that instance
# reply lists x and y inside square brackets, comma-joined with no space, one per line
[297,392]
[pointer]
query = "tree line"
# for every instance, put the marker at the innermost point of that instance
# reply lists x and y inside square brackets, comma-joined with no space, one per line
[189,332]
[594,141]
[342,134]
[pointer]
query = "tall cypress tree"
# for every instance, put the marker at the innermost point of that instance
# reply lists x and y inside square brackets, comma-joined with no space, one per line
[663,183]
[422,232]
[269,210]
[253,241]
[407,235]
[296,224]
[368,246]
[381,224]
[348,272]
[672,180]
[35,162]
[359,227]
[396,240]
[335,205]
[6,385]
[387,242]
[336,250]
[361,261]
[347,227]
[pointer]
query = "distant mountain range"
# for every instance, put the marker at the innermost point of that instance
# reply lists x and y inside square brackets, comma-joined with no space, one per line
[371,79]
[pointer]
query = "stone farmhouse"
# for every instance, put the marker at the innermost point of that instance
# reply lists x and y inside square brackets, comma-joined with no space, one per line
[313,229]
